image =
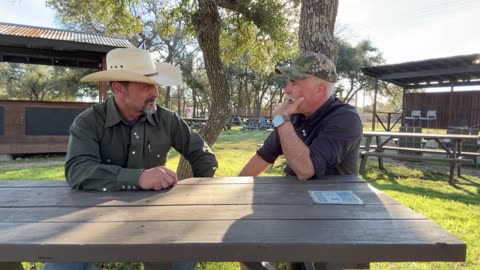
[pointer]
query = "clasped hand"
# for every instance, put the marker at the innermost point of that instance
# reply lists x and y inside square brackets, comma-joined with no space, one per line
[157,178]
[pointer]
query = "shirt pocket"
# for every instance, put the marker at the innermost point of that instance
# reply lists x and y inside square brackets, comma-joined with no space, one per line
[111,154]
[157,153]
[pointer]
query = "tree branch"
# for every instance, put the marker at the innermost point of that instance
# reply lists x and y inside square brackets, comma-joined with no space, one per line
[235,5]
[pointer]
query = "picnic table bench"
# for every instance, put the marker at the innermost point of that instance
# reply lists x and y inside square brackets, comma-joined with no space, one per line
[217,219]
[454,155]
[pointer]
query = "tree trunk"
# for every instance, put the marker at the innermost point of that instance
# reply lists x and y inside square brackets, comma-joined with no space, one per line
[207,25]
[179,101]
[247,98]
[167,98]
[240,105]
[317,23]
[194,97]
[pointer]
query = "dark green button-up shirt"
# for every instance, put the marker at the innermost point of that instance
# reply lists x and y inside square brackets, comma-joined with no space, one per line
[105,153]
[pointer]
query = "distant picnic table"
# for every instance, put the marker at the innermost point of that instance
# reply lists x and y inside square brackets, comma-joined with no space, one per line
[217,219]
[196,123]
[452,154]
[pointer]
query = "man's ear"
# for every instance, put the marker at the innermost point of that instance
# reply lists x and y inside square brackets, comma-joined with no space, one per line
[117,88]
[321,88]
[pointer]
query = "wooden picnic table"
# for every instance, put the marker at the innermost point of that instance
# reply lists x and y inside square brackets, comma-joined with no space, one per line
[389,125]
[216,219]
[452,155]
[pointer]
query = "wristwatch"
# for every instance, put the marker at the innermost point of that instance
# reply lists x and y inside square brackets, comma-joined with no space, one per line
[278,120]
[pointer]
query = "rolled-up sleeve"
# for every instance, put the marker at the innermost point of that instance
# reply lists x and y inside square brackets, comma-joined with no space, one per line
[271,148]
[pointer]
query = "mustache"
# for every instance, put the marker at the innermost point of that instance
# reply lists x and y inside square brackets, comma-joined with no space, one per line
[150,99]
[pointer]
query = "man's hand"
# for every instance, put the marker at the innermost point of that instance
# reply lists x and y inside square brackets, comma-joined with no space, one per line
[157,178]
[288,107]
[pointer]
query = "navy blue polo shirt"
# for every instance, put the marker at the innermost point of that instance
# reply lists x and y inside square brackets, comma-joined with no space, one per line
[332,133]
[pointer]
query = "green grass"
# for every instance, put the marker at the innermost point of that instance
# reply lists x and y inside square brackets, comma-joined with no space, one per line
[456,209]
[420,186]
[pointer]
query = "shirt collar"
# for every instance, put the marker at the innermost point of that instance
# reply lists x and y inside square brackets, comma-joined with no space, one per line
[151,120]
[113,115]
[323,108]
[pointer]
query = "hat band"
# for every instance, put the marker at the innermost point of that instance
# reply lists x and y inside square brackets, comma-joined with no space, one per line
[151,74]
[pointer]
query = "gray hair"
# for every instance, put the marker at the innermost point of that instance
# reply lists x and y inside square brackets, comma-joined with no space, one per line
[330,88]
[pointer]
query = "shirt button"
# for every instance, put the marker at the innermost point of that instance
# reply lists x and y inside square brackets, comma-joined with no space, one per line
[134,187]
[123,187]
[158,156]
[137,137]
[129,187]
[108,160]
[104,189]
[135,133]
[133,152]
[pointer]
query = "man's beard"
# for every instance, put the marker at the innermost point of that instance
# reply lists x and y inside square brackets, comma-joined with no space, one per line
[150,109]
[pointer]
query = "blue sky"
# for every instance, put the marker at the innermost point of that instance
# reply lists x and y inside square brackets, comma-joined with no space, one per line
[404,30]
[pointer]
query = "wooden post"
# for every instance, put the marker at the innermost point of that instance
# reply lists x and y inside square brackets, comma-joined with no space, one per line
[450,106]
[102,86]
[403,106]
[374,105]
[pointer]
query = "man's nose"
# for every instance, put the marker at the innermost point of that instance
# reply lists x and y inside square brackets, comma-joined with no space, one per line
[154,91]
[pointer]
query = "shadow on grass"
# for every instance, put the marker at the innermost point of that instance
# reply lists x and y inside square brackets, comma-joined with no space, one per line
[399,176]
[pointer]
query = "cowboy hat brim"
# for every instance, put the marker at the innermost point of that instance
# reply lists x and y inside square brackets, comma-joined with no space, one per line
[167,75]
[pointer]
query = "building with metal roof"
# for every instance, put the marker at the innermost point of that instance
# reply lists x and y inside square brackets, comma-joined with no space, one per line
[42,127]
[460,70]
[48,46]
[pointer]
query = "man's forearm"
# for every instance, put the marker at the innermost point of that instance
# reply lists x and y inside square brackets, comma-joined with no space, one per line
[255,166]
[296,152]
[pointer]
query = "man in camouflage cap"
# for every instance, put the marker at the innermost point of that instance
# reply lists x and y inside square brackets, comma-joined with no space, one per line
[310,64]
[317,133]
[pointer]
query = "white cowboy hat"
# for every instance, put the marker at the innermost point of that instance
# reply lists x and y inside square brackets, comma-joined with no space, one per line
[135,65]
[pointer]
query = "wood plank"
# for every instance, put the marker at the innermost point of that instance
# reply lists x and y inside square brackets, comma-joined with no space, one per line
[186,195]
[421,150]
[274,180]
[204,212]
[206,181]
[242,240]
[412,157]
[418,135]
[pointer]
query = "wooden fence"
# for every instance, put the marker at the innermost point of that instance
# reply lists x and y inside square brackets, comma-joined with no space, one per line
[452,109]
[36,126]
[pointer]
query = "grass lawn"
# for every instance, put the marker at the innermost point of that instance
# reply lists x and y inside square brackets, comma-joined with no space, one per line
[420,186]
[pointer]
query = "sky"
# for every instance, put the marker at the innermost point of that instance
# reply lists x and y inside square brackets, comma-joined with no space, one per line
[404,30]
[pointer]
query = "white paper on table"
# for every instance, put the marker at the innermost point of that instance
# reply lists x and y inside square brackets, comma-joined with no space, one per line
[334,197]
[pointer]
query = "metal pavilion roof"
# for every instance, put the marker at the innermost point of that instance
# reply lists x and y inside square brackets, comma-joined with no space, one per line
[460,70]
[39,45]
[8,29]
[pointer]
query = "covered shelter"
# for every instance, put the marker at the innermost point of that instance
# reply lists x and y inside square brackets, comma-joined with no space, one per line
[42,127]
[451,72]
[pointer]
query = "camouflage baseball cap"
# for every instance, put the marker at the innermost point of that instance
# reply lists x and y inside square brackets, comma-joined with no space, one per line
[310,63]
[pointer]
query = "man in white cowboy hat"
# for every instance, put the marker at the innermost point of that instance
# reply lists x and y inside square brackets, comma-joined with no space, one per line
[122,144]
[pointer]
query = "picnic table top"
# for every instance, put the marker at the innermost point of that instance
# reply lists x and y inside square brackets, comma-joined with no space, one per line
[216,219]
[419,135]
